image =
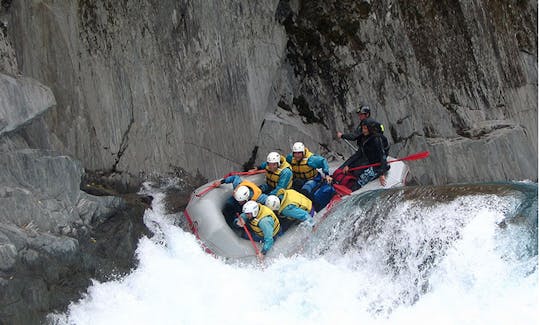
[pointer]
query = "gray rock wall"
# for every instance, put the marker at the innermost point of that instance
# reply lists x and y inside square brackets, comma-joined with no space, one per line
[138,88]
[48,231]
[53,236]
[142,87]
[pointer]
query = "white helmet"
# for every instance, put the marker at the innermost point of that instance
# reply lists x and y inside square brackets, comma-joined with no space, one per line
[298,147]
[273,157]
[251,207]
[241,193]
[272,202]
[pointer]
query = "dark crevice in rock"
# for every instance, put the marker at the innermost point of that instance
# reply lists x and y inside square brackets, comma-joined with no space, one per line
[6,3]
[284,105]
[430,132]
[125,139]
[251,161]
[304,110]
[394,134]
[400,121]
[407,138]
[284,14]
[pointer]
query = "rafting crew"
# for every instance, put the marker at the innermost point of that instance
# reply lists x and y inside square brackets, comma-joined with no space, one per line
[263,224]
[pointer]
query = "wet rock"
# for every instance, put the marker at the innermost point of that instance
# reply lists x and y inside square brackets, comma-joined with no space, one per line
[54,238]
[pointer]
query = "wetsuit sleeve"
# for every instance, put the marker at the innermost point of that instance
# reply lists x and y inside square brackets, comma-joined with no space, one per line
[284,179]
[356,156]
[264,187]
[262,198]
[294,212]
[243,216]
[267,226]
[381,154]
[227,180]
[357,133]
[234,179]
[317,161]
[289,158]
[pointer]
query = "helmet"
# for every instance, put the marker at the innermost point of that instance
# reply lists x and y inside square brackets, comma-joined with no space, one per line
[364,109]
[272,202]
[273,157]
[251,207]
[298,147]
[241,193]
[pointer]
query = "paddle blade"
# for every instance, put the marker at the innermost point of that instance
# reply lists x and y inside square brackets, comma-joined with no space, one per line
[342,189]
[416,156]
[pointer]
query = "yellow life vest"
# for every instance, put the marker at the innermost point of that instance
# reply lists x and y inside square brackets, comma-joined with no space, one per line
[264,211]
[256,190]
[294,197]
[301,169]
[272,178]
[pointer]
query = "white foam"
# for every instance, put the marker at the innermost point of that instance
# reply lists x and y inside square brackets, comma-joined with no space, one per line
[177,283]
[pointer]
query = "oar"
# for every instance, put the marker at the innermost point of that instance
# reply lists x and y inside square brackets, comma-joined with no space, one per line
[251,240]
[260,171]
[212,186]
[416,156]
[249,236]
[354,149]
[342,189]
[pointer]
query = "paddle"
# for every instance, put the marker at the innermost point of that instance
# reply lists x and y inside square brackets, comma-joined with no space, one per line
[250,238]
[213,186]
[342,189]
[416,156]
[351,145]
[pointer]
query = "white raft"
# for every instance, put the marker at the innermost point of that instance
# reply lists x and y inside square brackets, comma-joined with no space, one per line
[207,222]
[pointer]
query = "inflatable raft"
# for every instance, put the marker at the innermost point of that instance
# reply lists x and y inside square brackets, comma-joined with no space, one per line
[206,220]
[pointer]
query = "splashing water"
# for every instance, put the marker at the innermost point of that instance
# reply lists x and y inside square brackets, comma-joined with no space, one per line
[379,258]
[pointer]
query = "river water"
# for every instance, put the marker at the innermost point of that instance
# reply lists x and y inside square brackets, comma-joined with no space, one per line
[449,255]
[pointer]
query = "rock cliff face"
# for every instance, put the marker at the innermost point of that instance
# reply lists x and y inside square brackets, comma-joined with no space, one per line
[142,87]
[55,237]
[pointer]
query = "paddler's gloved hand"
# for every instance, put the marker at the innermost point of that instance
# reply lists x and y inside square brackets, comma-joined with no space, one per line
[240,222]
[218,183]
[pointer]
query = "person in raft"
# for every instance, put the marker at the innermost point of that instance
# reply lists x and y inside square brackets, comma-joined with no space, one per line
[263,224]
[278,173]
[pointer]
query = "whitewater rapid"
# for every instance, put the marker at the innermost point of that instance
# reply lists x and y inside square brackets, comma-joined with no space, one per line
[482,275]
